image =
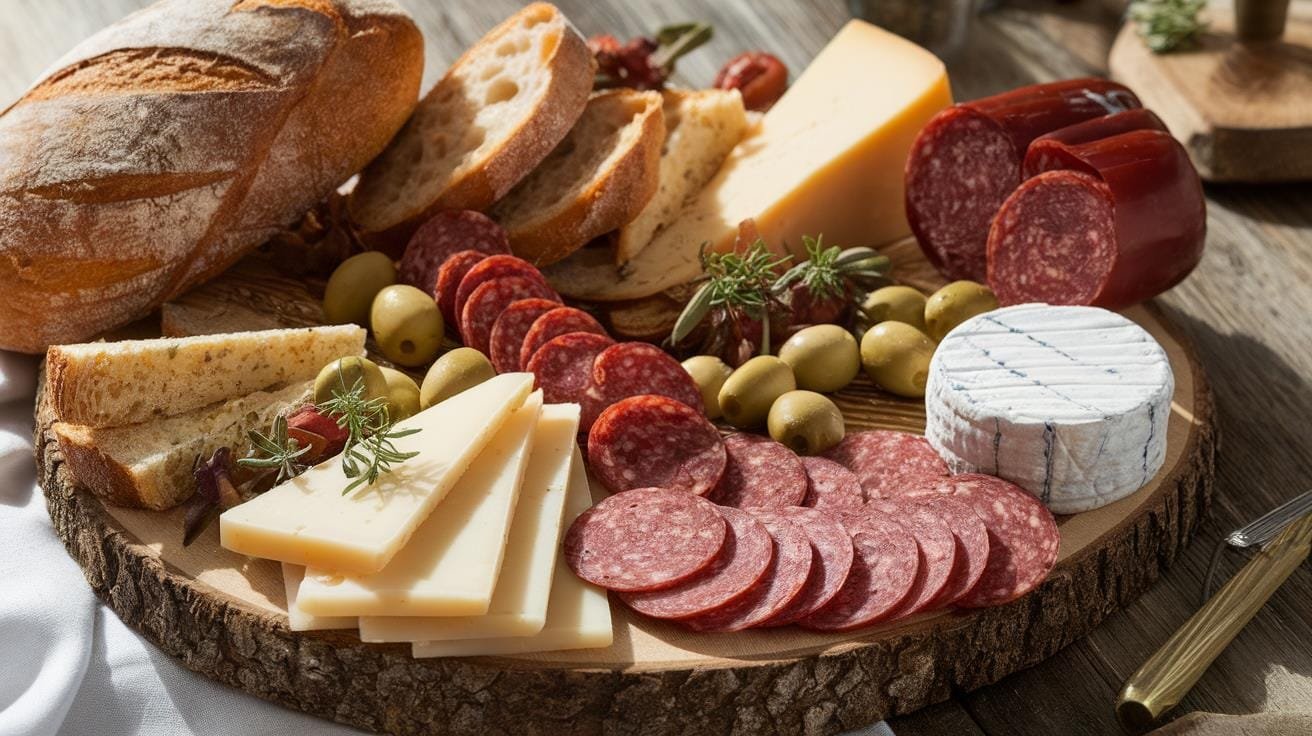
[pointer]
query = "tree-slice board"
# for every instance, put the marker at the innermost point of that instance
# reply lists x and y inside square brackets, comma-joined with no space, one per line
[223,615]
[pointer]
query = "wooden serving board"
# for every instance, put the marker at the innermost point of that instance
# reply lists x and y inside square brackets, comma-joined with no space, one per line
[223,615]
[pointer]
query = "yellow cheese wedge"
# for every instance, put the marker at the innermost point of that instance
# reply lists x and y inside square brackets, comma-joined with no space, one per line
[298,620]
[826,160]
[578,613]
[450,566]
[309,521]
[519,605]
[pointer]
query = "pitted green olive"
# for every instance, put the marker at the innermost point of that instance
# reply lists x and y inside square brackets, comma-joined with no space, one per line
[342,374]
[402,394]
[407,325]
[824,358]
[454,372]
[709,373]
[747,394]
[893,303]
[806,422]
[354,284]
[954,304]
[896,357]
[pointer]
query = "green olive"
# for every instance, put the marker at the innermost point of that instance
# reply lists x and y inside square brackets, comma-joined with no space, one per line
[896,304]
[806,422]
[354,284]
[747,394]
[824,358]
[454,372]
[407,325]
[954,304]
[402,394]
[342,374]
[709,373]
[896,357]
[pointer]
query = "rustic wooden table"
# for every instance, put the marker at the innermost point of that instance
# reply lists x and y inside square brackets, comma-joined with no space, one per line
[1248,307]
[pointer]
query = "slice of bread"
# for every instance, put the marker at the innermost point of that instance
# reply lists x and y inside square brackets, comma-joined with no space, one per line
[600,177]
[149,465]
[701,128]
[108,384]
[498,111]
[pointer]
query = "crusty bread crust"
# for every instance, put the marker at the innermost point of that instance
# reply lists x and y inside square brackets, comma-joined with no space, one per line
[104,475]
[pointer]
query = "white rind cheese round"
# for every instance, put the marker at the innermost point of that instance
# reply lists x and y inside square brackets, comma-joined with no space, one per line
[1070,403]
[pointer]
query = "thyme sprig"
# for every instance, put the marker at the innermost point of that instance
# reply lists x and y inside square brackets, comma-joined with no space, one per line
[279,451]
[369,450]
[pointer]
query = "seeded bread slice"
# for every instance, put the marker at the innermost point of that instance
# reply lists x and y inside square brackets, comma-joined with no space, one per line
[149,465]
[107,384]
[701,128]
[498,111]
[599,178]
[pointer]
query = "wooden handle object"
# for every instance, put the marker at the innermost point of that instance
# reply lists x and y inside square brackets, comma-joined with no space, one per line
[1260,20]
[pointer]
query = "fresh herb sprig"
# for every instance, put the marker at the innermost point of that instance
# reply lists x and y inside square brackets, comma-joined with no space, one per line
[1166,25]
[733,281]
[279,451]
[369,450]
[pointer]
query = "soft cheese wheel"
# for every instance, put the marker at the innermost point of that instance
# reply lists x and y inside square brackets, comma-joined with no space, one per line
[1070,403]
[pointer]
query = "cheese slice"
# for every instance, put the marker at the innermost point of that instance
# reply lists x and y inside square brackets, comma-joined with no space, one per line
[310,521]
[826,160]
[578,613]
[450,566]
[519,605]
[298,620]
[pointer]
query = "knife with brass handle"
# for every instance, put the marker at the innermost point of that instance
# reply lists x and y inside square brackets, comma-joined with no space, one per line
[1163,680]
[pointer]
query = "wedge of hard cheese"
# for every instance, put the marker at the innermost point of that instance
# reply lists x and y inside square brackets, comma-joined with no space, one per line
[826,160]
[310,521]
[298,620]
[519,604]
[578,613]
[450,566]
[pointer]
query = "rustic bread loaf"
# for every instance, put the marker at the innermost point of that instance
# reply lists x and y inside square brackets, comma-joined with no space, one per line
[161,149]
[599,178]
[107,384]
[499,110]
[149,465]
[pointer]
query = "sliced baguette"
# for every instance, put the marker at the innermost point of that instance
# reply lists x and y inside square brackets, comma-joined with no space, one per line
[701,128]
[149,465]
[106,384]
[599,178]
[498,111]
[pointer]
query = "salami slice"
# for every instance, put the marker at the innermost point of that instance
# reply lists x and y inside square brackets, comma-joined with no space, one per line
[883,571]
[742,562]
[443,235]
[831,486]
[563,367]
[831,561]
[1023,537]
[783,581]
[489,300]
[645,539]
[635,368]
[889,463]
[760,473]
[938,553]
[655,441]
[557,322]
[448,280]
[509,330]
[972,545]
[497,267]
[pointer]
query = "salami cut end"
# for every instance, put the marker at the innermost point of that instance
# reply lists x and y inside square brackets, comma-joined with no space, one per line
[883,571]
[563,367]
[443,235]
[553,324]
[831,486]
[831,561]
[489,300]
[448,280]
[509,330]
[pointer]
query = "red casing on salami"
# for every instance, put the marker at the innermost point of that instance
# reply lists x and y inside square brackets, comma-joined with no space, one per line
[557,322]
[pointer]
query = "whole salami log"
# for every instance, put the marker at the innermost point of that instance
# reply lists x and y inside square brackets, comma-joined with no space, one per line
[655,441]
[443,235]
[783,580]
[509,330]
[759,473]
[636,368]
[563,367]
[967,160]
[831,561]
[448,282]
[938,553]
[645,539]
[830,486]
[557,322]
[972,545]
[497,267]
[1120,221]
[889,463]
[743,560]
[489,300]
[882,574]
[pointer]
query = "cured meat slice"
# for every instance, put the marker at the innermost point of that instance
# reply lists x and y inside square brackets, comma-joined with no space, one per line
[831,486]
[497,267]
[759,473]
[783,581]
[883,571]
[889,463]
[509,330]
[563,367]
[967,160]
[489,300]
[1023,537]
[645,539]
[557,322]
[655,441]
[938,553]
[634,368]
[743,560]
[443,235]
[831,561]
[972,544]
[448,280]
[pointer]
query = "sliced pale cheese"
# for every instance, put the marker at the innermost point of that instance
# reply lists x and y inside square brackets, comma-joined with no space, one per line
[310,521]
[298,620]
[449,567]
[519,605]
[826,160]
[578,613]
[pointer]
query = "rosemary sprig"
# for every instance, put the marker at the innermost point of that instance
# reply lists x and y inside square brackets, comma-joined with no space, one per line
[1166,25]
[733,280]
[369,450]
[279,451]
[819,273]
